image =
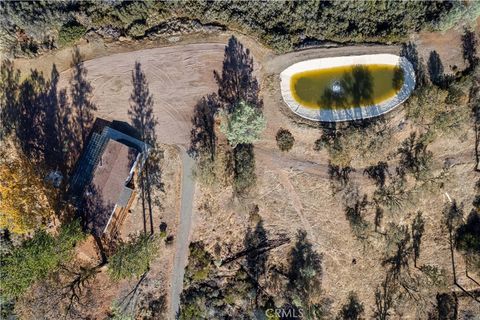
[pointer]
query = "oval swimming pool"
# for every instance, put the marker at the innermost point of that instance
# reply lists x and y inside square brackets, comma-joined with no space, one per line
[347,88]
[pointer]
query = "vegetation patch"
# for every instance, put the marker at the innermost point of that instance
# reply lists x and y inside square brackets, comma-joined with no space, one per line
[285,139]
[69,33]
[36,258]
[133,259]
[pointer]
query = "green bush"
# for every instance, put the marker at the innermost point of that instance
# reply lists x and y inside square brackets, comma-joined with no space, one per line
[69,33]
[137,30]
[285,139]
[199,263]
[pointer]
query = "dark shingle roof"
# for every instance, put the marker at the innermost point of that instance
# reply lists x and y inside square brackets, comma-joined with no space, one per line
[103,172]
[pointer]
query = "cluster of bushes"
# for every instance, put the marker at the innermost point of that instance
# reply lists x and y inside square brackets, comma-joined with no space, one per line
[355,142]
[282,25]
[240,287]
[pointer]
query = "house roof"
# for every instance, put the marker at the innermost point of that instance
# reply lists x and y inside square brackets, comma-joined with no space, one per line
[102,177]
[113,171]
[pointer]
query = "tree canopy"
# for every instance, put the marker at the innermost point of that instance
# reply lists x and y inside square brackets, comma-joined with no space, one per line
[36,258]
[244,125]
[133,258]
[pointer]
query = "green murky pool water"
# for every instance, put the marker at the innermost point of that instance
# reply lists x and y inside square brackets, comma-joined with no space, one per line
[346,86]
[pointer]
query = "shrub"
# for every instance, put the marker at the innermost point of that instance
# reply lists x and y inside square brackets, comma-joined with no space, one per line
[137,30]
[436,276]
[438,110]
[365,143]
[24,203]
[414,156]
[199,263]
[285,140]
[216,172]
[244,125]
[69,33]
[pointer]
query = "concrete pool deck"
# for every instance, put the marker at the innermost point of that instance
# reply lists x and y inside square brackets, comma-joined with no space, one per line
[356,113]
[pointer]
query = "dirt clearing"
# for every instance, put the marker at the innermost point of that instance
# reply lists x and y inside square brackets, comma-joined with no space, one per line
[178,77]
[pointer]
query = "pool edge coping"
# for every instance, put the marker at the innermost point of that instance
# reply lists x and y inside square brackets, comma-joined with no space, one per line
[351,114]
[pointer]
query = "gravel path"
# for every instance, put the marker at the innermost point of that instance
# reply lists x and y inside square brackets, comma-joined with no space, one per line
[183,235]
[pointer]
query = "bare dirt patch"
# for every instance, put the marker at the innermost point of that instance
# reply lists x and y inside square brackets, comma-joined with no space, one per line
[178,77]
[448,45]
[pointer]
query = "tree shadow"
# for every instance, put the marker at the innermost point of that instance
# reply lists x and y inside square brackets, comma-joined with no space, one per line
[409,51]
[474,97]
[237,82]
[353,309]
[453,215]
[50,129]
[339,176]
[418,228]
[359,83]
[202,137]
[244,168]
[332,100]
[435,69]
[256,261]
[80,93]
[398,78]
[378,173]
[30,116]
[385,295]
[304,257]
[9,85]
[94,215]
[143,119]
[355,89]
[305,274]
[399,260]
[446,307]
[469,49]
[355,208]
[379,213]
[467,240]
